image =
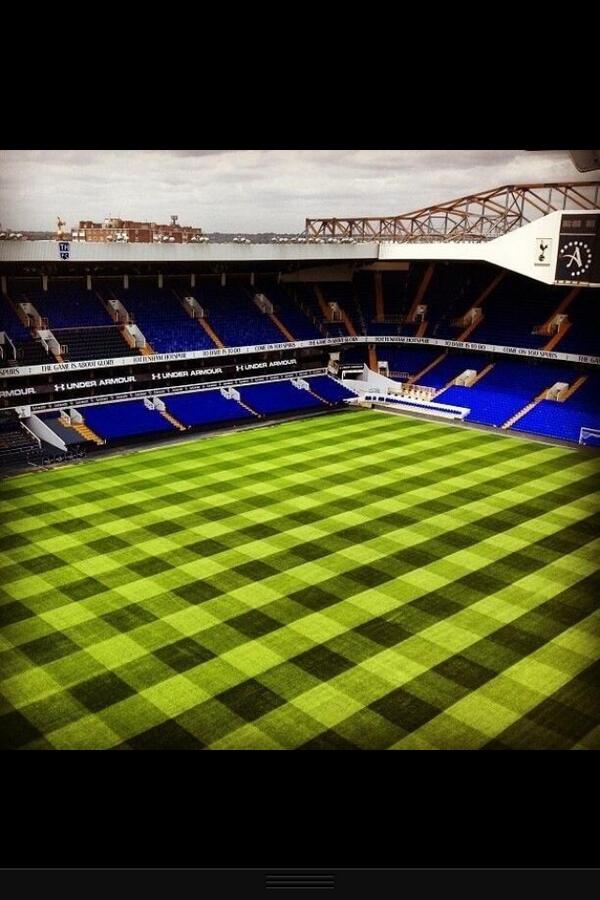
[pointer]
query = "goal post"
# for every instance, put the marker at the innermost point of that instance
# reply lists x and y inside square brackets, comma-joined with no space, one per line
[589,436]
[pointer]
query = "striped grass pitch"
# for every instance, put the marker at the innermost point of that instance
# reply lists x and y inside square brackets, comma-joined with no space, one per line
[351,581]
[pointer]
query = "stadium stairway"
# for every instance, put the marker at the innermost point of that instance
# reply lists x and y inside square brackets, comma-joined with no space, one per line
[421,292]
[379,301]
[583,337]
[564,395]
[249,408]
[483,296]
[130,341]
[175,422]
[85,432]
[471,327]
[562,330]
[523,412]
[348,323]
[472,380]
[318,396]
[278,324]
[373,362]
[344,294]
[329,391]
[200,321]
[467,321]
[414,379]
[116,312]
[480,375]
[560,309]
[326,311]
[211,333]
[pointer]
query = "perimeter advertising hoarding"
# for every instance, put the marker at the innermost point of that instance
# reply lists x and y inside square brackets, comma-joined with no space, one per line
[101,382]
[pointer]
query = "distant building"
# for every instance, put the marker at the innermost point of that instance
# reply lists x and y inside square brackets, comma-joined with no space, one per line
[127,231]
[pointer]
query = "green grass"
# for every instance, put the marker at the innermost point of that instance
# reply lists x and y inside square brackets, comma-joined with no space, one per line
[357,580]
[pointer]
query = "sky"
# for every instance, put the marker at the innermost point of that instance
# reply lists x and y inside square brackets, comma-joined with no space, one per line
[252,190]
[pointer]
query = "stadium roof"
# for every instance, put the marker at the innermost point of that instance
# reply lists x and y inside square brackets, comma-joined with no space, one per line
[476,217]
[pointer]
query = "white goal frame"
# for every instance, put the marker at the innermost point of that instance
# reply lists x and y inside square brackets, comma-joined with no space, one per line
[588,432]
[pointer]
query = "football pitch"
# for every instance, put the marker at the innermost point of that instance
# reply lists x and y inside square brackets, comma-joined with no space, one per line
[356,580]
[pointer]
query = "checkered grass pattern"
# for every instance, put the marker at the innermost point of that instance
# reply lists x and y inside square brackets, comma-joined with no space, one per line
[355,581]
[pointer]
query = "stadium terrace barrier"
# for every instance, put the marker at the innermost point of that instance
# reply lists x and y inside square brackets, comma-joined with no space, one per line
[162,390]
[16,371]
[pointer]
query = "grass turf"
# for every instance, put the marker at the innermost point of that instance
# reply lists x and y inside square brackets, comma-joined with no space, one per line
[355,581]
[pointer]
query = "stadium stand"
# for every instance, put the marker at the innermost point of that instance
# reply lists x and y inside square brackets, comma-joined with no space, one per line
[342,293]
[565,420]
[506,389]
[452,291]
[66,434]
[33,353]
[330,390]
[68,306]
[584,334]
[11,323]
[450,367]
[16,443]
[205,408]
[306,298]
[289,312]
[365,298]
[130,418]
[411,360]
[29,350]
[125,419]
[235,317]
[162,319]
[278,397]
[101,342]
[374,302]
[513,310]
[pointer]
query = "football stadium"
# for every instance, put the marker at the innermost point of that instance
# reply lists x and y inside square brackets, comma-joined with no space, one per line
[336,491]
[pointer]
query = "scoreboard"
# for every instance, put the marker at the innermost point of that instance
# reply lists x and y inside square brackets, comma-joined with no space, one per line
[578,259]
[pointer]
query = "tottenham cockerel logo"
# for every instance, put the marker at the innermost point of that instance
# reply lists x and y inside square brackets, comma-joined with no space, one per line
[576,257]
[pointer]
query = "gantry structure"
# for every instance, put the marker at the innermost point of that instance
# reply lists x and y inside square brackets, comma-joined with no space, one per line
[476,217]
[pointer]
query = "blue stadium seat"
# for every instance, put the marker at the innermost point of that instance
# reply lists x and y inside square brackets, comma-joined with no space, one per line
[235,317]
[69,305]
[330,389]
[277,397]
[204,408]
[565,420]
[163,321]
[506,389]
[125,419]
[450,367]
